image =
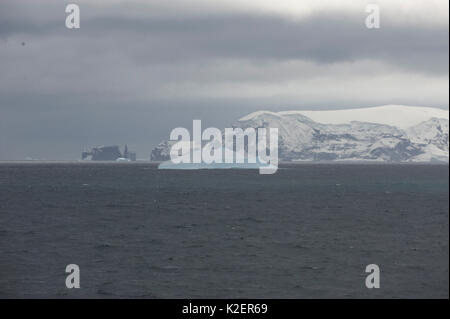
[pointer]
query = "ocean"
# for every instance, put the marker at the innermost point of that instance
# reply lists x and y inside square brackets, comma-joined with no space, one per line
[308,231]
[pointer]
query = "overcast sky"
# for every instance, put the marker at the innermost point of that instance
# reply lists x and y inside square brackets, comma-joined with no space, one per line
[137,69]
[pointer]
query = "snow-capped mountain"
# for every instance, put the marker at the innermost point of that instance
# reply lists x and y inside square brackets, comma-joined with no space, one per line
[386,133]
[432,137]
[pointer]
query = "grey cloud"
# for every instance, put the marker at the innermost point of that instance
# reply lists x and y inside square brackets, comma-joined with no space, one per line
[130,74]
[324,38]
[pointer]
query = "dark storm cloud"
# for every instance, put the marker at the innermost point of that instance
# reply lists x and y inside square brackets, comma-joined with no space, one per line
[136,69]
[323,38]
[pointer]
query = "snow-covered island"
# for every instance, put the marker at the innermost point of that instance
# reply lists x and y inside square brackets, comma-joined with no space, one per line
[390,133]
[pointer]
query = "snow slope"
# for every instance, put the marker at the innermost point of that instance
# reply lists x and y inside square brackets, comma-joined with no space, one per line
[400,116]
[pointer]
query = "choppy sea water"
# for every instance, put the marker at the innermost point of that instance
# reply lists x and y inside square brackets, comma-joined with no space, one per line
[307,231]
